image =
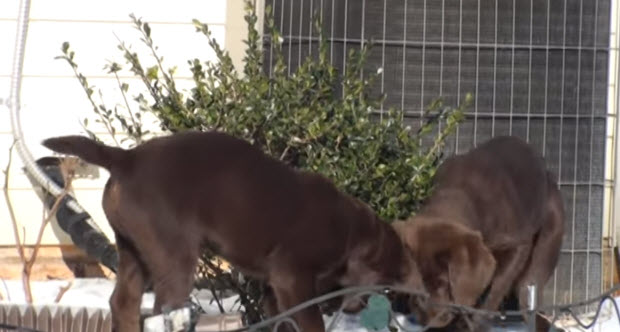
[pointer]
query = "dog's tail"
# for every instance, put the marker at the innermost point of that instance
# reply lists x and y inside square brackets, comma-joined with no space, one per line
[88,150]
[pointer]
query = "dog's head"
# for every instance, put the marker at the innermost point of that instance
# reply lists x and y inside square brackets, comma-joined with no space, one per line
[381,259]
[455,265]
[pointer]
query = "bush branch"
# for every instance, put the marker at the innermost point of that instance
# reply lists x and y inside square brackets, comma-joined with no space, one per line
[28,262]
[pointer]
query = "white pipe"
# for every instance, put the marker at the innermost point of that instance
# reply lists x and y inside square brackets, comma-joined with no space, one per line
[15,106]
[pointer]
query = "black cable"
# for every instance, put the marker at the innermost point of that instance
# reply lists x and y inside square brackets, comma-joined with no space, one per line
[596,315]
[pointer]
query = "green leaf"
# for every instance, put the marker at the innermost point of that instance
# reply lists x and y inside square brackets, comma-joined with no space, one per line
[152,73]
[113,68]
[65,47]
[147,29]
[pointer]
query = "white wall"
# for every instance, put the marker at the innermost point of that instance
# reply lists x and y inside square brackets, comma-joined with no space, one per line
[52,99]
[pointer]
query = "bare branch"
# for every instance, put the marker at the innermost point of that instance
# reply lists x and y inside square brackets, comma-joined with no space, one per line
[46,220]
[62,292]
[5,188]
[67,168]
[18,242]
[27,263]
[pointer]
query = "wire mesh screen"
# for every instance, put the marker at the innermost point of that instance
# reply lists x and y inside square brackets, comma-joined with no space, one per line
[537,69]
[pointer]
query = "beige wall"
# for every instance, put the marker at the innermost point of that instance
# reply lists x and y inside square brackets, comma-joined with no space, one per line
[52,99]
[236,29]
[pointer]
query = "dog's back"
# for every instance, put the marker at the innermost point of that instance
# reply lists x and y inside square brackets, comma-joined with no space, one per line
[499,188]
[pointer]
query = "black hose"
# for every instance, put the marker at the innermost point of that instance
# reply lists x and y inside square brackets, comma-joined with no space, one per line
[84,236]
[17,328]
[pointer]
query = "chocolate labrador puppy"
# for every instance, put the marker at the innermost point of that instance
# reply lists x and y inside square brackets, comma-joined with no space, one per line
[166,198]
[495,219]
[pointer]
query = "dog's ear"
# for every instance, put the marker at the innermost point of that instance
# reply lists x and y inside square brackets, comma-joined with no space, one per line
[471,267]
[454,262]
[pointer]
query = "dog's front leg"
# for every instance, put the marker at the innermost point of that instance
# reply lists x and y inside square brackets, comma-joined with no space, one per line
[291,289]
[269,304]
[127,296]
[508,270]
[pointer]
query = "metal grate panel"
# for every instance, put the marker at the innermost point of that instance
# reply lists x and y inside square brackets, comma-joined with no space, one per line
[538,70]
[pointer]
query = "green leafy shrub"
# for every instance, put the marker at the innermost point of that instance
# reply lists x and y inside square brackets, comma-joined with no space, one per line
[314,119]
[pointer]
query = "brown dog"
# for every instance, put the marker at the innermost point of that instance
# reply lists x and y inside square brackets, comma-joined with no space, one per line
[169,196]
[495,218]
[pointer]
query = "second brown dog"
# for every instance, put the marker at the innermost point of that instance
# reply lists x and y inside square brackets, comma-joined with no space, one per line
[495,219]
